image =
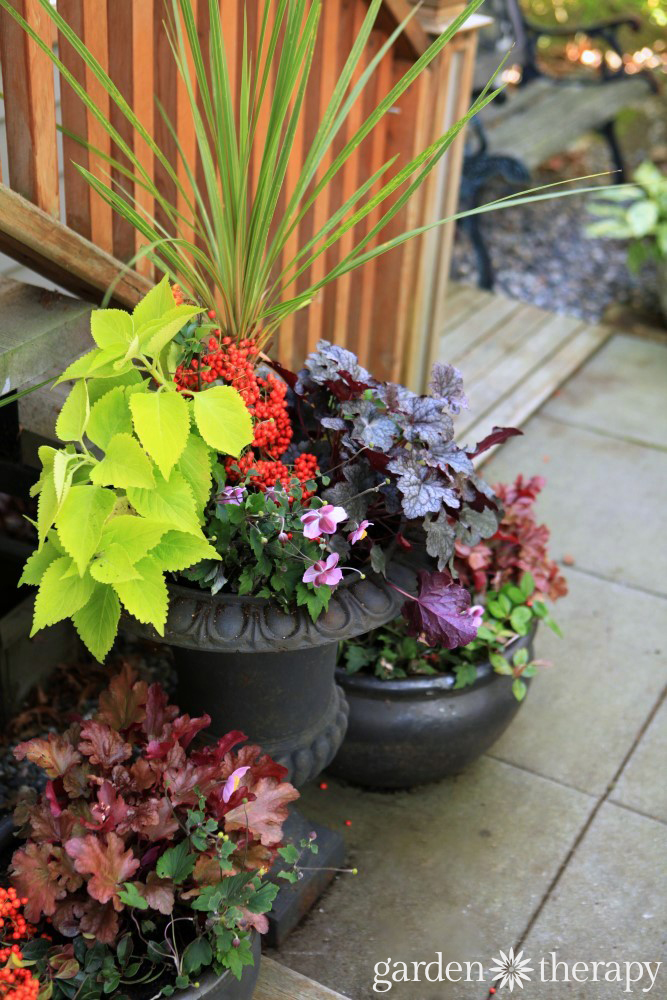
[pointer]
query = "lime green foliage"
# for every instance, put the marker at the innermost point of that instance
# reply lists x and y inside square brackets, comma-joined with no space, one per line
[570,13]
[637,213]
[122,502]
[509,614]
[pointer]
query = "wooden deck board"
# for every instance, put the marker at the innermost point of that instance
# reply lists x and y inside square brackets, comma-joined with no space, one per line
[512,355]
[277,982]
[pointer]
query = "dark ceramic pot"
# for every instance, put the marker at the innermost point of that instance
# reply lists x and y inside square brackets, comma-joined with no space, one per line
[409,732]
[227,986]
[270,674]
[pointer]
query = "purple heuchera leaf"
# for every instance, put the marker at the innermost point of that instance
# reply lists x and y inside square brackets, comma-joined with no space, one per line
[424,491]
[427,420]
[439,612]
[447,385]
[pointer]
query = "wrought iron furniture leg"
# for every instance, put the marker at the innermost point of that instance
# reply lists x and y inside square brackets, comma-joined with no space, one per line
[608,133]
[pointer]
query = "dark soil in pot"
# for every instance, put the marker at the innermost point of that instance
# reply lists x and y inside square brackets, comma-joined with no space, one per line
[410,732]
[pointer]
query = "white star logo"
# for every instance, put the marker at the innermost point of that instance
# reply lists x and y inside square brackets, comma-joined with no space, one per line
[511,970]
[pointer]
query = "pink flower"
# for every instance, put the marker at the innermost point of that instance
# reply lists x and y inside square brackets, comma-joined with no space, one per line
[324,572]
[323,521]
[233,782]
[476,612]
[231,494]
[359,532]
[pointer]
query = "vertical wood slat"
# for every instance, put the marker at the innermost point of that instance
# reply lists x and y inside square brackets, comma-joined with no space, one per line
[30,108]
[95,36]
[75,119]
[144,107]
[120,39]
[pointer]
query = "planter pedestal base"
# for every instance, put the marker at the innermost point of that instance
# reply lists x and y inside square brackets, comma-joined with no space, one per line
[294,901]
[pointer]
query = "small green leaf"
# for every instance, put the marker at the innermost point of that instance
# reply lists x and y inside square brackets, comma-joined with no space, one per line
[520,658]
[520,620]
[527,585]
[124,464]
[97,621]
[60,595]
[515,594]
[197,955]
[223,420]
[176,863]
[519,689]
[162,423]
[289,853]
[132,897]
[500,664]
[81,519]
[73,417]
[495,608]
[109,416]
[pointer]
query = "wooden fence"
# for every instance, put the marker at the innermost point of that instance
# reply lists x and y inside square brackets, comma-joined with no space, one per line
[385,313]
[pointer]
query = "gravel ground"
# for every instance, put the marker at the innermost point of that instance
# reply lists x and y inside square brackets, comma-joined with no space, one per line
[541,253]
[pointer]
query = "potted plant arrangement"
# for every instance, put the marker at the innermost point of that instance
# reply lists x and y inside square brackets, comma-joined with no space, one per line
[637,213]
[142,871]
[420,711]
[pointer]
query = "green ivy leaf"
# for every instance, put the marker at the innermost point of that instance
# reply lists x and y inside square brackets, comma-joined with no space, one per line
[60,595]
[108,417]
[73,417]
[146,598]
[81,519]
[176,863]
[124,464]
[97,621]
[162,423]
[222,419]
[170,503]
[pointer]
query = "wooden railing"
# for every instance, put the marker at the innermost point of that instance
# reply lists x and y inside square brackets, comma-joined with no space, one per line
[381,313]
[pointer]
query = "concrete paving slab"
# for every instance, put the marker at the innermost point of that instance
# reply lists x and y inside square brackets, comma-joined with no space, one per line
[643,784]
[617,392]
[609,906]
[584,712]
[604,501]
[456,867]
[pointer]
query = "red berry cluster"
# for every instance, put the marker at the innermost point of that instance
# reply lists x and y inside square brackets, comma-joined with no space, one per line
[17,983]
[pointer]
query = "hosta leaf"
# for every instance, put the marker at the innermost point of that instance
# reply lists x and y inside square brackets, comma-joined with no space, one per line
[222,419]
[124,464]
[110,327]
[146,598]
[38,563]
[108,417]
[59,595]
[97,621]
[113,565]
[195,464]
[178,551]
[153,305]
[81,519]
[169,502]
[73,417]
[162,423]
[135,535]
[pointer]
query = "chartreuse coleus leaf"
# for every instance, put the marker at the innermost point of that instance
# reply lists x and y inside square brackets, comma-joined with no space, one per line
[73,417]
[47,505]
[98,387]
[113,565]
[124,464]
[108,417]
[162,423]
[154,336]
[111,328]
[37,564]
[97,621]
[177,551]
[154,304]
[100,363]
[60,594]
[80,521]
[135,535]
[169,502]
[222,419]
[47,457]
[195,463]
[146,597]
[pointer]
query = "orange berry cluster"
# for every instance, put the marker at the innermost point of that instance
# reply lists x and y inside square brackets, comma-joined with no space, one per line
[15,983]
[270,472]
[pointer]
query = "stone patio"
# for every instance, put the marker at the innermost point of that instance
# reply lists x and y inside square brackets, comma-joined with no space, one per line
[556,841]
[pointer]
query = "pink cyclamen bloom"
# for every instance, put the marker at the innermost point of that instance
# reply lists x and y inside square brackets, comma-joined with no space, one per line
[323,521]
[233,782]
[359,532]
[476,612]
[324,572]
[231,494]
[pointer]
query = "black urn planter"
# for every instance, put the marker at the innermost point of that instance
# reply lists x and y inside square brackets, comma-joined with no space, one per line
[410,732]
[227,986]
[270,674]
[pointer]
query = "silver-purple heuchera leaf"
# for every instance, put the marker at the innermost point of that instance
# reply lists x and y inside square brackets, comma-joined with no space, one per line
[447,384]
[448,457]
[473,525]
[329,363]
[438,613]
[440,538]
[424,491]
[347,494]
[426,420]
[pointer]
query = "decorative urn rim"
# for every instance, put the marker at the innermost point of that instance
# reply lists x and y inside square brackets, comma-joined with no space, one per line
[411,687]
[230,623]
